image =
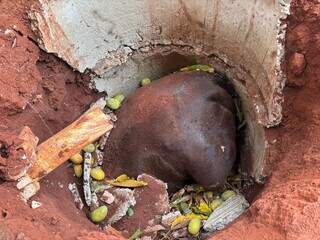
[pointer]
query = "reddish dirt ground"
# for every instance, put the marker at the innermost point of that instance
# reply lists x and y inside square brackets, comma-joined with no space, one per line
[287,208]
[289,205]
[40,91]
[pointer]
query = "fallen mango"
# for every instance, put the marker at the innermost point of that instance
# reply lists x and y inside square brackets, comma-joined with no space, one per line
[194,226]
[145,82]
[227,194]
[186,218]
[99,214]
[97,173]
[216,203]
[77,170]
[113,103]
[90,148]
[119,97]
[77,158]
[122,177]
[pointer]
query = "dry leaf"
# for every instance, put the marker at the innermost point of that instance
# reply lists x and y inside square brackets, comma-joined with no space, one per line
[129,183]
[182,220]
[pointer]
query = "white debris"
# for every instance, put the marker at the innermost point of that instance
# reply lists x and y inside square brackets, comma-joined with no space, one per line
[35,204]
[30,190]
[76,196]
[154,229]
[180,233]
[107,197]
[9,32]
[23,182]
[87,178]
[94,200]
[167,219]
[97,187]
[223,148]
[146,238]
[113,117]
[100,103]
[228,211]
[14,43]
[124,199]
[98,156]
[103,140]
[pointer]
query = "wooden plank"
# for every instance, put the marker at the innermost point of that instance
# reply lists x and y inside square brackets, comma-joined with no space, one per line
[69,141]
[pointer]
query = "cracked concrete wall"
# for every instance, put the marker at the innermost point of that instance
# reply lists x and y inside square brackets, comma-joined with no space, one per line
[118,42]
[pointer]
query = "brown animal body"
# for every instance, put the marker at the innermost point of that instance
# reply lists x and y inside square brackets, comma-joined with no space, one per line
[178,128]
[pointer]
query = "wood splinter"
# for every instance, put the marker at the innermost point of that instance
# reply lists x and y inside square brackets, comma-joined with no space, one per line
[69,141]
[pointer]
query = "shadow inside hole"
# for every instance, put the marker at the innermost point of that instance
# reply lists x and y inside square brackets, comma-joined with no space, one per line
[250,138]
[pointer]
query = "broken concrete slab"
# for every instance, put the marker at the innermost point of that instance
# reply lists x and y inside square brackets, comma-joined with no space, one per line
[123,199]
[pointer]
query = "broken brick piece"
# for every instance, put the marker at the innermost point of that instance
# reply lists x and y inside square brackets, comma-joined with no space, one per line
[152,202]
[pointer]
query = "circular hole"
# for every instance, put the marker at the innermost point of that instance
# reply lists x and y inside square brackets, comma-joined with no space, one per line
[156,64]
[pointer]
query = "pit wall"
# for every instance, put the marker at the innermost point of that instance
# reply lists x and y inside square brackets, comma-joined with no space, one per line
[122,41]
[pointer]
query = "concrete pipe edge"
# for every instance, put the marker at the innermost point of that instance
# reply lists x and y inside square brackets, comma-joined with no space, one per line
[123,41]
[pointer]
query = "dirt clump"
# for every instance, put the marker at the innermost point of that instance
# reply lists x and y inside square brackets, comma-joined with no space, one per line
[18,153]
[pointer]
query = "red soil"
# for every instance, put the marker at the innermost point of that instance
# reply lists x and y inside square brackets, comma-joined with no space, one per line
[287,208]
[289,205]
[40,91]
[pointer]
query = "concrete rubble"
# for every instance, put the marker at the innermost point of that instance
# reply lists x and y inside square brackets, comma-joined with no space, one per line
[152,202]
[226,213]
[124,198]
[76,195]
[35,204]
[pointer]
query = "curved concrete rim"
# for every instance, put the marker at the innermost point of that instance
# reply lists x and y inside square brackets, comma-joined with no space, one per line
[122,41]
